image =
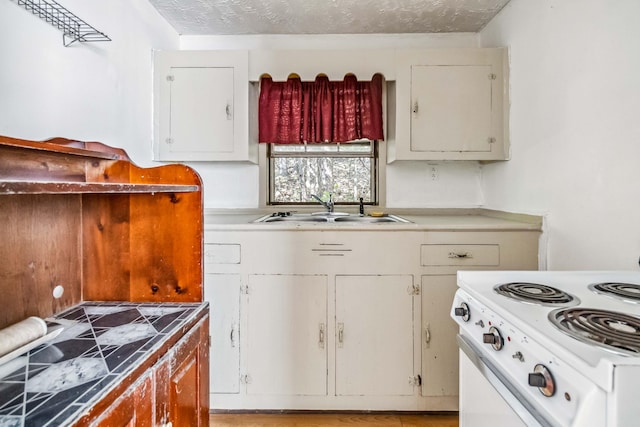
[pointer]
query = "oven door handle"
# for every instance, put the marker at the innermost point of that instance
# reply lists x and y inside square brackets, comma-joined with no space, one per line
[518,402]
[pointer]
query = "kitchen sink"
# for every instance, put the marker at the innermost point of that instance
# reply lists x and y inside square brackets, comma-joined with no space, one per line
[370,219]
[292,218]
[337,217]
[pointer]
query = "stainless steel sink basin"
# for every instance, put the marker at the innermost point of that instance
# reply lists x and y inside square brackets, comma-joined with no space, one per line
[370,219]
[292,218]
[328,218]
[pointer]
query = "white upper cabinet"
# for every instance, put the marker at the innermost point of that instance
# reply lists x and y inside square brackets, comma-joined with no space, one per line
[451,104]
[201,103]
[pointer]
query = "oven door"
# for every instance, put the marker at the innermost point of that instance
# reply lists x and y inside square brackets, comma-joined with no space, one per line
[487,398]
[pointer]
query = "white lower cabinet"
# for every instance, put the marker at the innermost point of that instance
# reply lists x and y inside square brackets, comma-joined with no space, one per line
[286,335]
[223,293]
[374,335]
[439,347]
[343,320]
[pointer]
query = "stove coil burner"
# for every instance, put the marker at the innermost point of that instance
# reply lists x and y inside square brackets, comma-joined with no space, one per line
[629,292]
[535,293]
[617,332]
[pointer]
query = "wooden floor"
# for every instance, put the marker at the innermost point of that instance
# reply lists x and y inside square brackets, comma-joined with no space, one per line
[332,420]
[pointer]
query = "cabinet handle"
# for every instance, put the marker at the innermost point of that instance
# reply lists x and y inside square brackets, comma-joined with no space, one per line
[427,335]
[340,334]
[415,107]
[460,255]
[228,111]
[321,336]
[232,336]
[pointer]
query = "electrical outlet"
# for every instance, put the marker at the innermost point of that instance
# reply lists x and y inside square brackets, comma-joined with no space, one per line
[433,173]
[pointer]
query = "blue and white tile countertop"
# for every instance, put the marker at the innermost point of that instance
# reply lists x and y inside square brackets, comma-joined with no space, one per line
[56,382]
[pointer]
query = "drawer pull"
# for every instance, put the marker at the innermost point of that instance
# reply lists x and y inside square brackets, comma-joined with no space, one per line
[460,255]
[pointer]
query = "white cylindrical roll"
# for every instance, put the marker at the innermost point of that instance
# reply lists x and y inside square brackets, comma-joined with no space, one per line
[21,333]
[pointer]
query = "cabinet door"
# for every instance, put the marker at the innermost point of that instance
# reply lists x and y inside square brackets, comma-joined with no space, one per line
[200,111]
[439,347]
[222,291]
[374,335]
[182,392]
[201,106]
[132,408]
[184,397]
[451,108]
[451,104]
[286,335]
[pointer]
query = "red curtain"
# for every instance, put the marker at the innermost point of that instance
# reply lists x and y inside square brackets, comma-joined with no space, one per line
[294,111]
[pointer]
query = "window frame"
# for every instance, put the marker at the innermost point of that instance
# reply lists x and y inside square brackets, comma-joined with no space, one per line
[373,154]
[388,107]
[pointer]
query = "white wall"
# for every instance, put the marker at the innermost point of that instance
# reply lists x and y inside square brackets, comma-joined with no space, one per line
[103,92]
[575,127]
[409,184]
[89,91]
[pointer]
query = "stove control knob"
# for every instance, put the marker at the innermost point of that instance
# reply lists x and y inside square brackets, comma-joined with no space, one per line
[542,378]
[494,338]
[463,312]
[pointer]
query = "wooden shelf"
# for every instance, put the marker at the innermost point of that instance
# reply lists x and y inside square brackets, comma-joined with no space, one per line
[31,187]
[82,215]
[52,147]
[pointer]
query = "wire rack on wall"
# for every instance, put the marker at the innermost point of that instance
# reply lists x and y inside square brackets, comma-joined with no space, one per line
[73,28]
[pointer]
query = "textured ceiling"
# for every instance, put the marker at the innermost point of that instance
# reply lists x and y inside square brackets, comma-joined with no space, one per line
[226,17]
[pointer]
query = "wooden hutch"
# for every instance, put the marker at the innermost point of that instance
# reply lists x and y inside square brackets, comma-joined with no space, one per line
[82,216]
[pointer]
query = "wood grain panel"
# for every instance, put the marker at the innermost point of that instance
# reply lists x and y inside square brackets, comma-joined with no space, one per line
[18,164]
[106,247]
[40,249]
[168,231]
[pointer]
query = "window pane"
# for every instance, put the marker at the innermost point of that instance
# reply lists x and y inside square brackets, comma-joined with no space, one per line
[322,148]
[295,179]
[287,148]
[356,148]
[284,149]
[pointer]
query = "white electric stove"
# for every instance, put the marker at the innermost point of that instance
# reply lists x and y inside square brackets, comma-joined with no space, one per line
[558,348]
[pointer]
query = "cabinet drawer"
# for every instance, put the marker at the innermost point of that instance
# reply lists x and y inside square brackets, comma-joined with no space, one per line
[222,253]
[487,255]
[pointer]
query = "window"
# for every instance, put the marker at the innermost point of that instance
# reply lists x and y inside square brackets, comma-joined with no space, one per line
[348,171]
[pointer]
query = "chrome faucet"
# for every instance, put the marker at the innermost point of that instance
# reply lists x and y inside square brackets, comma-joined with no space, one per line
[328,204]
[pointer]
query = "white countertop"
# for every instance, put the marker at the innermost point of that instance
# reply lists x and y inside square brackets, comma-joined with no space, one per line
[421,219]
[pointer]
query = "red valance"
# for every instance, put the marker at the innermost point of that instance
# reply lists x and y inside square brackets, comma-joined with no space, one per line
[294,111]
